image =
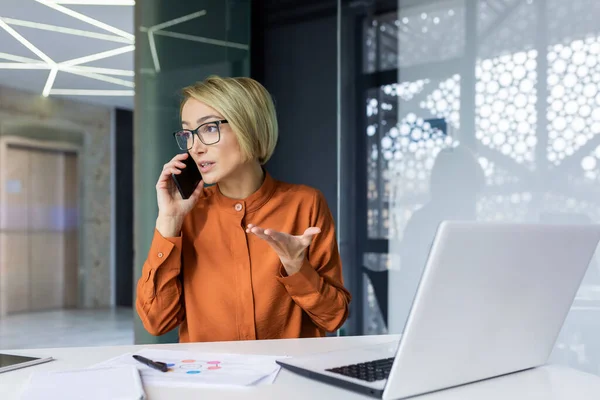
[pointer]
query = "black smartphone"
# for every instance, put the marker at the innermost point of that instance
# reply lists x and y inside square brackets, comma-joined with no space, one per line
[188,179]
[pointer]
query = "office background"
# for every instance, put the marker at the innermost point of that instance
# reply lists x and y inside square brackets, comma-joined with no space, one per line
[403,113]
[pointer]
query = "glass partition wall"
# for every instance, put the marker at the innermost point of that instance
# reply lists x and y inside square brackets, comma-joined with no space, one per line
[484,110]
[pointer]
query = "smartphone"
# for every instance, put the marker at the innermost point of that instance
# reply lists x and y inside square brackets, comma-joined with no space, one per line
[188,179]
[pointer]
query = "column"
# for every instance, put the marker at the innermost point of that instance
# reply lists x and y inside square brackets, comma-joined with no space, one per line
[177,43]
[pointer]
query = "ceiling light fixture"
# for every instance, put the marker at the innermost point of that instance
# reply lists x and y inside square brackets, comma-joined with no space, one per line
[69,31]
[153,51]
[99,77]
[105,71]
[24,66]
[87,19]
[50,82]
[12,57]
[156,28]
[26,43]
[202,39]
[98,56]
[86,92]
[177,21]
[71,66]
[94,2]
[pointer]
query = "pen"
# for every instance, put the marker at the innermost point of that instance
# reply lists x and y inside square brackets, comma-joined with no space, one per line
[152,364]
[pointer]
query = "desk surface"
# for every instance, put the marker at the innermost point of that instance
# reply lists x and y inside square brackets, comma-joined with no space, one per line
[550,382]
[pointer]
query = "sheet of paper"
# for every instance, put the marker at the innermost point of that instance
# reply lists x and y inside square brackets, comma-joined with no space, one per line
[186,368]
[119,382]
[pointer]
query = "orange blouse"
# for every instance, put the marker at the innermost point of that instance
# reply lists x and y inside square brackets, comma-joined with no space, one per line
[217,282]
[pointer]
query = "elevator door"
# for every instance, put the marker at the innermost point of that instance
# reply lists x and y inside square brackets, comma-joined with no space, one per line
[39,229]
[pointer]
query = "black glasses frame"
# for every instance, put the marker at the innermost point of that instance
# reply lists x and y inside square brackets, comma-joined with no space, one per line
[194,132]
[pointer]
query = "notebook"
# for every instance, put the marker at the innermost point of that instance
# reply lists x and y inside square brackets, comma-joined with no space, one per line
[115,383]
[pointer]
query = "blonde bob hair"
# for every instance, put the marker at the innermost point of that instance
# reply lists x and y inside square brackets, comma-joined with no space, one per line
[248,108]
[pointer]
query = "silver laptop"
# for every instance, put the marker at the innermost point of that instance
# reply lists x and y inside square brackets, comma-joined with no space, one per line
[491,301]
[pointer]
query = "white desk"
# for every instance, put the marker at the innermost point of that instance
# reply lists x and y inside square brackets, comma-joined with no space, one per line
[550,382]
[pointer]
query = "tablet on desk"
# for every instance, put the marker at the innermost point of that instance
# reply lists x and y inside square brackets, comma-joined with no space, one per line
[9,362]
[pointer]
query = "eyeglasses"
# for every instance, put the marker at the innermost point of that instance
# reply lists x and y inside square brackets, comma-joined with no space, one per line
[208,133]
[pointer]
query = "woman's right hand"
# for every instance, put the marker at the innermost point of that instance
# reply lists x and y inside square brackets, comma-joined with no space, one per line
[172,208]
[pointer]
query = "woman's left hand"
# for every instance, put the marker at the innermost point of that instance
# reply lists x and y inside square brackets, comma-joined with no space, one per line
[291,249]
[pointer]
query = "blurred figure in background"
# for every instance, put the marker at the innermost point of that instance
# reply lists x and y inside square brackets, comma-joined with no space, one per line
[456,180]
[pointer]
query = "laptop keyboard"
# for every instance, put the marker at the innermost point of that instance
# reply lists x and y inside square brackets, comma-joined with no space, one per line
[369,371]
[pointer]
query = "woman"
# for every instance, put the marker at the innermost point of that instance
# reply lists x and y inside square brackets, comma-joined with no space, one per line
[248,257]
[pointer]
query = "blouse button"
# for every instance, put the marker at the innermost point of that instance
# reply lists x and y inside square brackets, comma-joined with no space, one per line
[160,255]
[238,207]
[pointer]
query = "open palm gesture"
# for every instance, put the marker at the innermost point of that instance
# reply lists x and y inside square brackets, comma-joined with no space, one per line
[291,249]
